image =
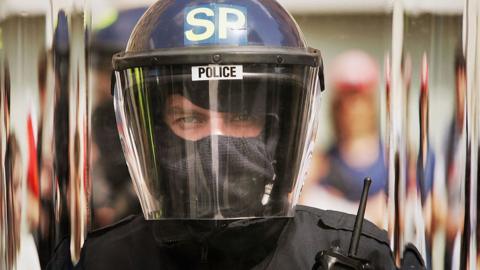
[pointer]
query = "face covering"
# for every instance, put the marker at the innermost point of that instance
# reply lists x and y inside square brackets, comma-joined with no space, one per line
[215,177]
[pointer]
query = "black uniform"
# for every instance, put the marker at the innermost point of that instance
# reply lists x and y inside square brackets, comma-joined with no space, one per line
[279,243]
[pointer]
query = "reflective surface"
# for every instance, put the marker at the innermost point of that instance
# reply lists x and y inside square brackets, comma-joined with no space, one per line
[217,149]
[432,164]
[470,258]
[44,132]
[79,134]
[23,113]
[429,122]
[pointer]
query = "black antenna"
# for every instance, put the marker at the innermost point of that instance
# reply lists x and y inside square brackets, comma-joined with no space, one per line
[357,229]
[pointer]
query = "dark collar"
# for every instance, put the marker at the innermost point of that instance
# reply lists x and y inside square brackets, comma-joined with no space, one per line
[228,242]
[166,232]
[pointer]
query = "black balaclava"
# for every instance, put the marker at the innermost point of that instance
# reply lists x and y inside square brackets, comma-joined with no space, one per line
[232,185]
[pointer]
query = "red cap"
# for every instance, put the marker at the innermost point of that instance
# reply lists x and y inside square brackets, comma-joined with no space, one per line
[354,71]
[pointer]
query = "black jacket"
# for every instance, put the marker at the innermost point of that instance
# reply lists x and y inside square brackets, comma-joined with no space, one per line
[282,243]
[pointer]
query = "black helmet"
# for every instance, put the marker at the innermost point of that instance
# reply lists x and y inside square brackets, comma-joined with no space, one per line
[215,105]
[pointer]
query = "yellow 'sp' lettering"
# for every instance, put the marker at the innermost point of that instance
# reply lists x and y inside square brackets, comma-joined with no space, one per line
[215,24]
[194,21]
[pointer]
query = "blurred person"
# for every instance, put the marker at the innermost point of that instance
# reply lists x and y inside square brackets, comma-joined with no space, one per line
[357,151]
[13,179]
[417,215]
[22,250]
[216,133]
[113,194]
[21,192]
[450,213]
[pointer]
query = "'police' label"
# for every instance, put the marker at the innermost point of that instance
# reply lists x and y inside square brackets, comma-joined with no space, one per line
[217,72]
[215,24]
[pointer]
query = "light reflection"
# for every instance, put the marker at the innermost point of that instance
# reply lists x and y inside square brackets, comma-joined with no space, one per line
[428,147]
[24,47]
[468,255]
[3,142]
[44,171]
[79,137]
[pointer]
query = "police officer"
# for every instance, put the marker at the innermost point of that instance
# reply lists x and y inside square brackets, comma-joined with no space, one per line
[215,104]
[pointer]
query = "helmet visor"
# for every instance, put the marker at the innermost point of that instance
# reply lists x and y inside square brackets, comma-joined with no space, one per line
[217,142]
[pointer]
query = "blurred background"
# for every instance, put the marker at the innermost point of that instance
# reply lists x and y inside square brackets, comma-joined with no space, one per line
[400,106]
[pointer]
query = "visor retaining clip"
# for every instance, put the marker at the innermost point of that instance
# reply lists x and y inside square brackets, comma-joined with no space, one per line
[280,59]
[217,58]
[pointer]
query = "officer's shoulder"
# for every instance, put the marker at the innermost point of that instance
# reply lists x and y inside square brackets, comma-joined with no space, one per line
[334,220]
[98,241]
[124,227]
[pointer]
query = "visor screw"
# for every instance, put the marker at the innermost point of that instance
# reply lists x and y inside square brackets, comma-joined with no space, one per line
[217,58]
[280,59]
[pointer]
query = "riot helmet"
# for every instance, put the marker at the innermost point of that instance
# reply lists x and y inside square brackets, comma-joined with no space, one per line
[215,104]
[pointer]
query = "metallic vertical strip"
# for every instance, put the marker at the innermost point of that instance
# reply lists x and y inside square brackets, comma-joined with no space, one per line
[213,101]
[59,226]
[48,227]
[395,156]
[3,141]
[468,240]
[421,162]
[413,222]
[25,48]
[475,251]
[79,134]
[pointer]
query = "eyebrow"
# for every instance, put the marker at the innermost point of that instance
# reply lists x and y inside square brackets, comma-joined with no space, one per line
[176,110]
[181,110]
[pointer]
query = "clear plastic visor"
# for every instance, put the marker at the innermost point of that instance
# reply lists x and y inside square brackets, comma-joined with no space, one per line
[217,142]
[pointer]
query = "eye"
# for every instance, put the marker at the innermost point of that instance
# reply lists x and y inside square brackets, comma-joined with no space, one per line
[189,120]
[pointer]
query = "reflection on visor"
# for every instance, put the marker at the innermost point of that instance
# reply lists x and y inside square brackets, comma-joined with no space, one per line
[215,149]
[192,122]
